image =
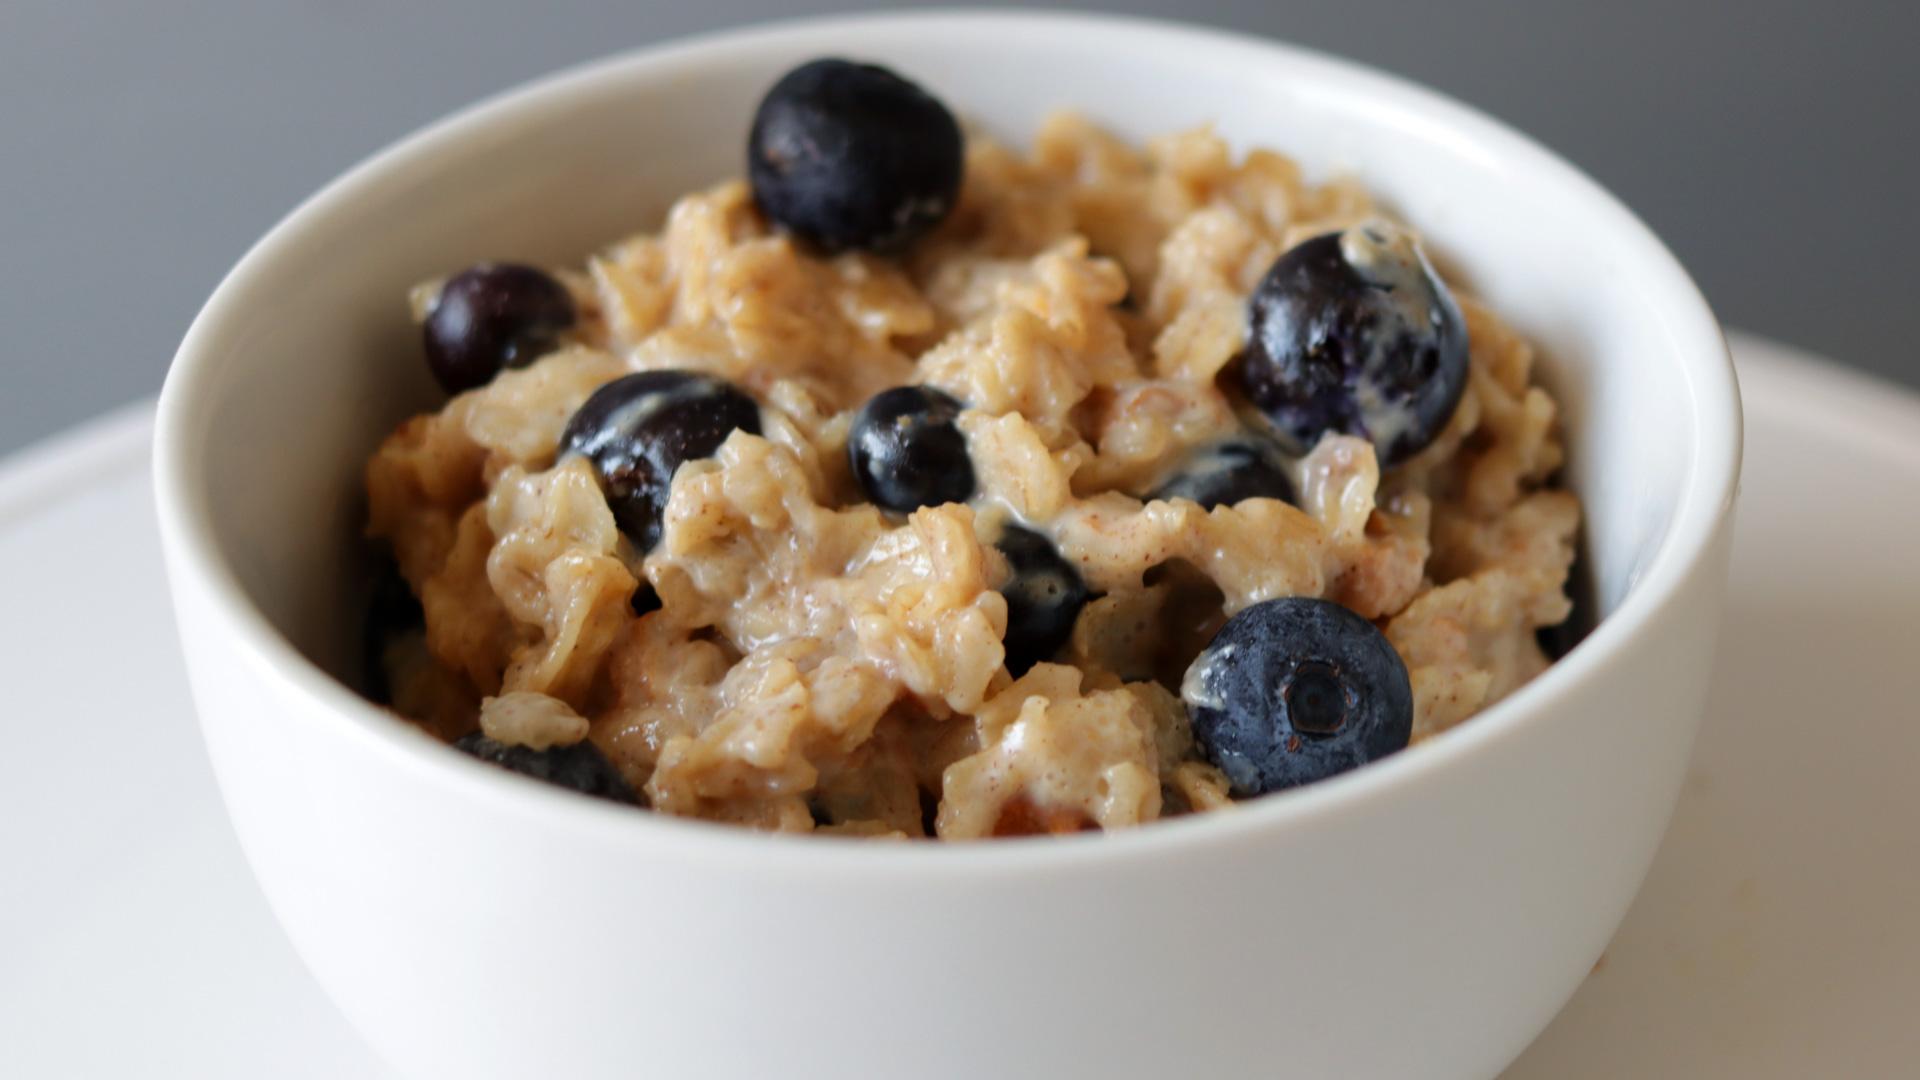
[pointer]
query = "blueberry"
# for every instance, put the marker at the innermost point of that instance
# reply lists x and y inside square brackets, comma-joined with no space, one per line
[1246,467]
[851,156]
[392,614]
[493,316]
[1353,332]
[1295,690]
[907,452]
[580,767]
[1044,597]
[638,429]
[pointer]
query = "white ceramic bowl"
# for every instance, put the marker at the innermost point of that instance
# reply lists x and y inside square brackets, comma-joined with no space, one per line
[1420,917]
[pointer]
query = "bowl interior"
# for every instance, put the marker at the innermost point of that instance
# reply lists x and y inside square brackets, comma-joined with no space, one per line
[306,357]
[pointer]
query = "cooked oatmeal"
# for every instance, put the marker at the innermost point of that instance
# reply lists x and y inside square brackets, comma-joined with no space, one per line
[817,663]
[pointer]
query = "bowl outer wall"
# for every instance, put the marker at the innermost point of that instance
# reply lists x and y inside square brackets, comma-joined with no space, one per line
[1429,931]
[1424,927]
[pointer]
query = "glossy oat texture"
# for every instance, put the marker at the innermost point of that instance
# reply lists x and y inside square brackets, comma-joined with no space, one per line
[815,664]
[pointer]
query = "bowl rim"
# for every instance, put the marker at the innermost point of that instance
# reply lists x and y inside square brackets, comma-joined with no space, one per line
[195,563]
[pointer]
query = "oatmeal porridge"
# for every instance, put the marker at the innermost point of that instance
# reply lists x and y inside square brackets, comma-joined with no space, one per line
[919,485]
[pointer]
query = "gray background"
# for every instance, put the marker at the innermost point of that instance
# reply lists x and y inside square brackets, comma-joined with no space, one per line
[145,143]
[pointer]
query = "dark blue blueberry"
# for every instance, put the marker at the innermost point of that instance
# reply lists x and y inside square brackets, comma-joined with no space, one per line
[1295,690]
[638,429]
[392,614]
[1223,474]
[1353,332]
[490,317]
[1044,597]
[851,156]
[580,767]
[907,452]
